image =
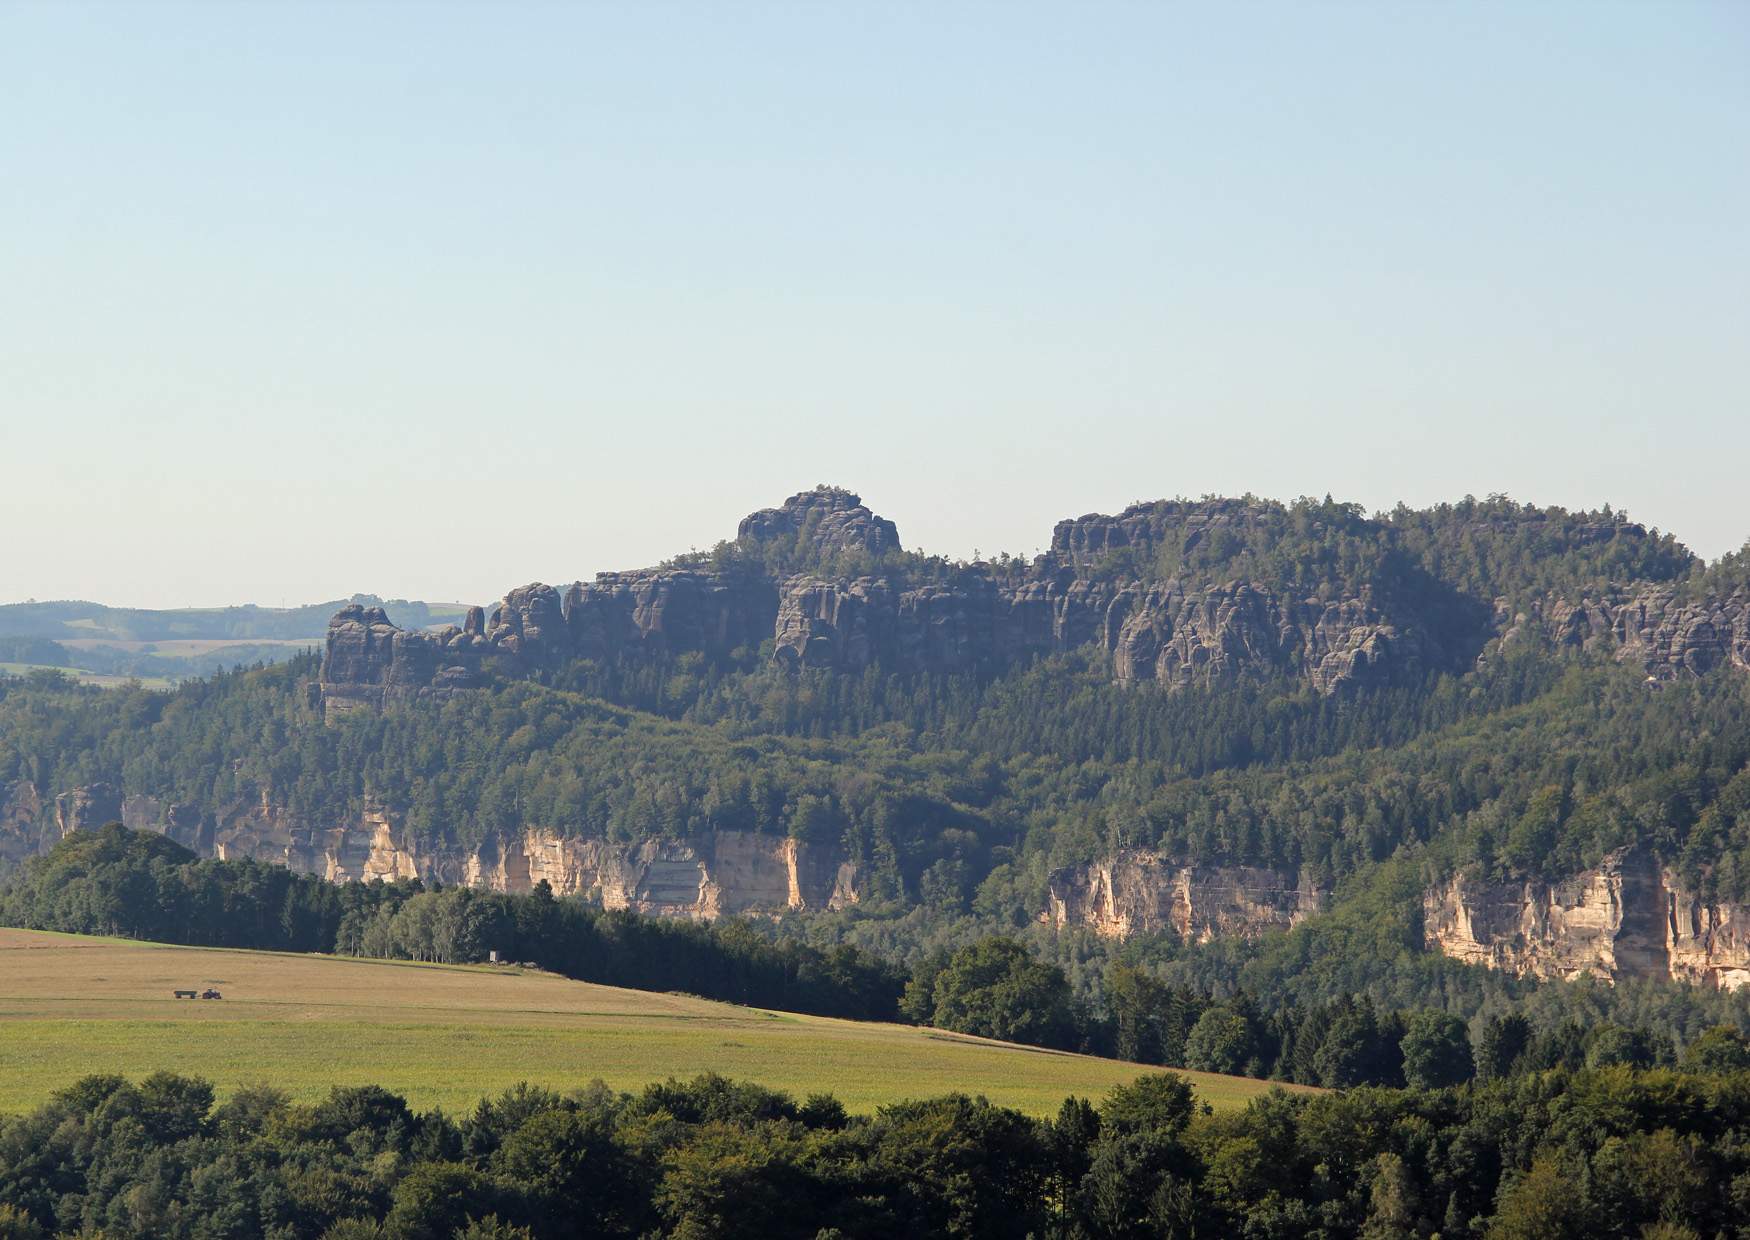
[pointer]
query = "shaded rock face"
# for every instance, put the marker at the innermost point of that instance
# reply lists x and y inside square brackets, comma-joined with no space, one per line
[88,808]
[529,625]
[183,823]
[671,611]
[972,621]
[843,625]
[1629,918]
[827,520]
[25,829]
[1655,627]
[1140,892]
[369,662]
[1164,633]
[1181,638]
[1172,632]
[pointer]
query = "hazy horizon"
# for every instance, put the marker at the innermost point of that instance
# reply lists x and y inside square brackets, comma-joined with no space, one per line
[564,579]
[428,300]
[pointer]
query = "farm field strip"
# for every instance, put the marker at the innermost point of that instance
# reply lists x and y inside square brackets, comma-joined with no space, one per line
[446,1035]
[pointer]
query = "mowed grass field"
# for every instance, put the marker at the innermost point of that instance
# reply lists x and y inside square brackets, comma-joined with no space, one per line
[447,1035]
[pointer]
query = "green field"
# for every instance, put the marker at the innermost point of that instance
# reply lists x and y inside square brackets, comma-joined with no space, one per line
[446,1035]
[102,680]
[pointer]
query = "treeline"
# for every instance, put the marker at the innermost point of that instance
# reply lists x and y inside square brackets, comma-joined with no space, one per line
[140,885]
[1473,551]
[1351,1041]
[1611,1152]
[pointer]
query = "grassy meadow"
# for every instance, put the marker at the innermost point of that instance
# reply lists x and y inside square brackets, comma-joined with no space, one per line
[446,1035]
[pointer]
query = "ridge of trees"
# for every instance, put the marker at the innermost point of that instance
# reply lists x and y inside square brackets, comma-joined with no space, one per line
[1614,1152]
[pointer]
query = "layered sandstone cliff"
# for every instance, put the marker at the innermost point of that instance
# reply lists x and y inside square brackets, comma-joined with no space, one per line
[1628,918]
[1140,892]
[728,872]
[1173,631]
[1181,637]
[1657,627]
[724,873]
[26,829]
[1153,588]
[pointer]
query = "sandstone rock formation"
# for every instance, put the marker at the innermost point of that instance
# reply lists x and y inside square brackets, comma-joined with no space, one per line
[86,809]
[1180,637]
[1628,918]
[368,661]
[1139,892]
[672,611]
[1656,626]
[1172,632]
[1100,585]
[825,522]
[726,873]
[25,829]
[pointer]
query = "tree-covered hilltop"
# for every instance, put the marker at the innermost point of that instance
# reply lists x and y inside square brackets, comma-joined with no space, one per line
[1481,550]
[1601,1151]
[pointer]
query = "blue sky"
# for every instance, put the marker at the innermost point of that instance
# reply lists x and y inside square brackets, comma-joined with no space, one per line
[434,299]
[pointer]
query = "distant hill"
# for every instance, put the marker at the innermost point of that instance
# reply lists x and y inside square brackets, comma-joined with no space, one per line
[103,642]
[77,619]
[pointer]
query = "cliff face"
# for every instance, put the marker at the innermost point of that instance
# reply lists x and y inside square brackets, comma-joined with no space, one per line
[1181,637]
[1629,918]
[1655,627]
[726,873]
[25,829]
[1156,588]
[730,872]
[1174,632]
[1144,893]
[368,661]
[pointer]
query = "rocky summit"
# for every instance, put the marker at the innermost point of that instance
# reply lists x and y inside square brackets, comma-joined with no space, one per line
[1181,593]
